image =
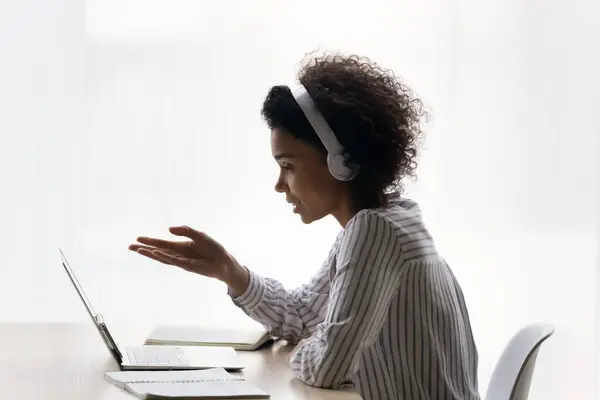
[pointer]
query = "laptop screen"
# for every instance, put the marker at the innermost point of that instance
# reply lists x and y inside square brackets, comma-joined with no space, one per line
[78,287]
[96,318]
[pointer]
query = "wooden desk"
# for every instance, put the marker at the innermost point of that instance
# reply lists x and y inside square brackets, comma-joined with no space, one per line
[68,361]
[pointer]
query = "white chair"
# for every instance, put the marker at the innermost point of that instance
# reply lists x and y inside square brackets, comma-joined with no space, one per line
[511,378]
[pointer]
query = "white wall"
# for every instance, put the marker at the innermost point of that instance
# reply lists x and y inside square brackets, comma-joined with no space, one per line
[42,99]
[129,116]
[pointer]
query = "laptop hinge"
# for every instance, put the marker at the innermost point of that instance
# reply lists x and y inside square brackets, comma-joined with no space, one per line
[108,339]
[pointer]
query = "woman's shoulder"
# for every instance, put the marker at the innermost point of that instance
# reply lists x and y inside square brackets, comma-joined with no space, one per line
[398,212]
[400,219]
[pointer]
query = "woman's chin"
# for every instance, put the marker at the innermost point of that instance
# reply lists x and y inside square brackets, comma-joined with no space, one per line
[305,218]
[308,218]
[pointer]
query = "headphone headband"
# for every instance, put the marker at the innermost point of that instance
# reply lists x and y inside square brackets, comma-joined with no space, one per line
[317,121]
[336,159]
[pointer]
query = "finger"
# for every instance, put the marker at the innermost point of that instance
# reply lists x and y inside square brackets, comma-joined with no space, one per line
[189,264]
[187,232]
[173,259]
[150,254]
[136,247]
[163,244]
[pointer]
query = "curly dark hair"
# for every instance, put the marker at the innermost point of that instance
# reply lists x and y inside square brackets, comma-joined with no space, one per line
[375,117]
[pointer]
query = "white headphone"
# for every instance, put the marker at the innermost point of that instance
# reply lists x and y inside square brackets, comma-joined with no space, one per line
[336,157]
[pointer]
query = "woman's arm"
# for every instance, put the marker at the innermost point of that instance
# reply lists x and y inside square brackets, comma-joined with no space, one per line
[290,315]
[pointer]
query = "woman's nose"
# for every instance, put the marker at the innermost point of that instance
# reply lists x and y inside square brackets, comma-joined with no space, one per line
[280,185]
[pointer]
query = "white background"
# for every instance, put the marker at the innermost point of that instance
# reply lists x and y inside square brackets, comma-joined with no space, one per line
[122,118]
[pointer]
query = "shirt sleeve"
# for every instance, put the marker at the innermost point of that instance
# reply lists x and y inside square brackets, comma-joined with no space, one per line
[290,315]
[361,291]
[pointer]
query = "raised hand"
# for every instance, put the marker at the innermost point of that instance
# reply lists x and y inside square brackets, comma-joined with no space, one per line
[200,254]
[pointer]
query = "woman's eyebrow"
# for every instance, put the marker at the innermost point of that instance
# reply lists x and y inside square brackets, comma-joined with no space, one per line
[279,156]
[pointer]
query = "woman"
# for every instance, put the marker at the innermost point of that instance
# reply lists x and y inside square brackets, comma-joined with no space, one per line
[384,312]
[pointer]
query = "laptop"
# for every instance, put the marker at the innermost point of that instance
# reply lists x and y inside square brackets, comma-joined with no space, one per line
[147,357]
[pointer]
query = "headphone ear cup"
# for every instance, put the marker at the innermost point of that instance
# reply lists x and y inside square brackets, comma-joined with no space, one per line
[338,168]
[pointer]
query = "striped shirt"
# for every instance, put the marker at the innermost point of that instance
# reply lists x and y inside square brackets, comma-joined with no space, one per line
[384,313]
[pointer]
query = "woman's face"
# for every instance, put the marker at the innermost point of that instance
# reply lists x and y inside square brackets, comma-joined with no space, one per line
[305,179]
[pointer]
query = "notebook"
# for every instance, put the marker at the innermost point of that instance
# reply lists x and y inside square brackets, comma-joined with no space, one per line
[245,339]
[214,383]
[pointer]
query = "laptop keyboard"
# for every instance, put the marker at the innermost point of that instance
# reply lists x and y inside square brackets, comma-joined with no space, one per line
[154,356]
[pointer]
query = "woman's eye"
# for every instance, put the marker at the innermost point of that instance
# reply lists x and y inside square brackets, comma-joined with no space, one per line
[286,166]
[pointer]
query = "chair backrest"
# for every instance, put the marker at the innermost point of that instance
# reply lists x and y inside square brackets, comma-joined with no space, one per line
[511,378]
